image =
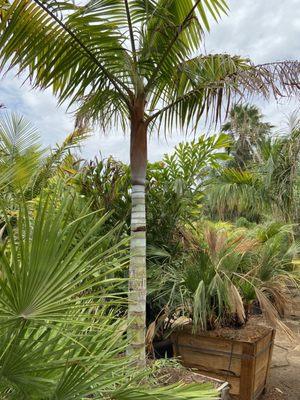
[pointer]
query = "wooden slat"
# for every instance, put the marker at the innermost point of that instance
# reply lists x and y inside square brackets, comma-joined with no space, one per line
[217,344]
[247,371]
[211,362]
[232,380]
[243,364]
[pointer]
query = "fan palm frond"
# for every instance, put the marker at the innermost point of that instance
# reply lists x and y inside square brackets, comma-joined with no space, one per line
[20,150]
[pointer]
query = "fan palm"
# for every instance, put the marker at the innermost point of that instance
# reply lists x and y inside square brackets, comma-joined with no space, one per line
[223,271]
[20,151]
[133,62]
[247,129]
[24,165]
[61,336]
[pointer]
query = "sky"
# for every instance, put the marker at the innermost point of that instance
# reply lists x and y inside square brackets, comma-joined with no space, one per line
[263,30]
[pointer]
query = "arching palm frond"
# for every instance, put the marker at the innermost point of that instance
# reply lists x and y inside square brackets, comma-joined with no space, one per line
[105,53]
[212,84]
[236,191]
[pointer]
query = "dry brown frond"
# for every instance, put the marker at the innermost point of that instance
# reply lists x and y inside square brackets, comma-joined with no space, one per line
[149,338]
[280,297]
[215,240]
[271,314]
[246,244]
[181,321]
[236,303]
[278,79]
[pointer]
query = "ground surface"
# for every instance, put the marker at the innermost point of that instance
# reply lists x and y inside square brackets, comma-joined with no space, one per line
[284,380]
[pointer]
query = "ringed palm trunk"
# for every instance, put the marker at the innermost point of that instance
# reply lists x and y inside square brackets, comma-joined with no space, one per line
[137,267]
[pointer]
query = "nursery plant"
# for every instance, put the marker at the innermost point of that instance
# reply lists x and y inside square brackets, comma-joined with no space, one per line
[61,333]
[135,64]
[224,270]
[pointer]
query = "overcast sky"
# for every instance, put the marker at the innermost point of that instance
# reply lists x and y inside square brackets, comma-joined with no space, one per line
[263,30]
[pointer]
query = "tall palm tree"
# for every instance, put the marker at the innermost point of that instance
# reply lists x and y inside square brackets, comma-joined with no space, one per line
[133,62]
[247,129]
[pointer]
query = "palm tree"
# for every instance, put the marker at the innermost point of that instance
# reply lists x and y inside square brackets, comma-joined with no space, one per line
[247,129]
[133,63]
[269,185]
[25,166]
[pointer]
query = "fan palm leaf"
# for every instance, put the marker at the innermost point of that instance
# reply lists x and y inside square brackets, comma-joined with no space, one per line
[61,335]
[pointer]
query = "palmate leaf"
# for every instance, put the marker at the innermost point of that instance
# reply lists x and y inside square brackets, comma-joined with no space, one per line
[61,335]
[20,150]
[52,272]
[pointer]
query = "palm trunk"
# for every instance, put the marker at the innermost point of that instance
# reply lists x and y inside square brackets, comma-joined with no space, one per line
[137,267]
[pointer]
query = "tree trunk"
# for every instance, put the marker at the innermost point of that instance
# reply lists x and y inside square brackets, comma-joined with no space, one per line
[137,268]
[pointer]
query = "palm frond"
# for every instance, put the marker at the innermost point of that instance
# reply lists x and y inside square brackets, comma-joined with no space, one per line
[20,150]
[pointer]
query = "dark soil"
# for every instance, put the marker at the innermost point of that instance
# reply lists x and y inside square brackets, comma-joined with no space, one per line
[252,331]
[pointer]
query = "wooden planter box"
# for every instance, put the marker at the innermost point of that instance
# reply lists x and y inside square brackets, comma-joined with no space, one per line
[245,365]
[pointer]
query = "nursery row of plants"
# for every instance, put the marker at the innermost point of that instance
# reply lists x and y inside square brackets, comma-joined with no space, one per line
[65,226]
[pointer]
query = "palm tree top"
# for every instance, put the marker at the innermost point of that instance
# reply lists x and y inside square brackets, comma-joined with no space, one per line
[107,55]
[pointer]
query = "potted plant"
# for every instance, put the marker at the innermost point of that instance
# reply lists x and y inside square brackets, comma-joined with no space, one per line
[212,289]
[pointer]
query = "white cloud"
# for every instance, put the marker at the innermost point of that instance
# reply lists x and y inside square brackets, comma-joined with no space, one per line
[264,30]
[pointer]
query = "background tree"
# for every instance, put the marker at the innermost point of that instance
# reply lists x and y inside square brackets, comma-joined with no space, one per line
[266,186]
[247,130]
[133,63]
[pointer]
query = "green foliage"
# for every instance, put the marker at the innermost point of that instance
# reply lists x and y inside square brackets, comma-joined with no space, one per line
[223,270]
[106,184]
[61,334]
[106,55]
[246,127]
[25,166]
[20,152]
[176,187]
